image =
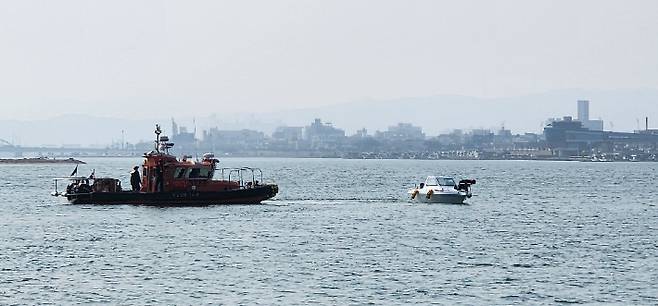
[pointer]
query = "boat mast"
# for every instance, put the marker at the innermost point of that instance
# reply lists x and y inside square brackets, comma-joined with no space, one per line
[157,137]
[162,144]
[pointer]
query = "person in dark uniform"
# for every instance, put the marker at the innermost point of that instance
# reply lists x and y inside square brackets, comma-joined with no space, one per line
[135,179]
[159,179]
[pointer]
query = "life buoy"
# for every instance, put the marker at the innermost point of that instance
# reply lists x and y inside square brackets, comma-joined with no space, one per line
[429,194]
[414,194]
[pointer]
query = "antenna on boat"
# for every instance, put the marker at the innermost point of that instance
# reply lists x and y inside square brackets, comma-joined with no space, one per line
[165,144]
[158,131]
[196,152]
[162,141]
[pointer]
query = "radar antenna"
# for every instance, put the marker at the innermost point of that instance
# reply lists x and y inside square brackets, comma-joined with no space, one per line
[158,131]
[162,142]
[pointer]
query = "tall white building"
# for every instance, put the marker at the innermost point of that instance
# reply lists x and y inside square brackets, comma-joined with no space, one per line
[583,116]
[583,110]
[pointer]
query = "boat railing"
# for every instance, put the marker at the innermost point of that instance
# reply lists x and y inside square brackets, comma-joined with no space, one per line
[247,177]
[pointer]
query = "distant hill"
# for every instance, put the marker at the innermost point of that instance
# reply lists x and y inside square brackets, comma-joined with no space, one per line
[72,130]
[620,110]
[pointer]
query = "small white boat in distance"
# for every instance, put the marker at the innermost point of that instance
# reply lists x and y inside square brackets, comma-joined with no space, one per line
[442,189]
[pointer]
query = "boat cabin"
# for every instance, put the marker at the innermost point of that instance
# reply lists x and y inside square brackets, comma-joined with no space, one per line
[162,172]
[439,181]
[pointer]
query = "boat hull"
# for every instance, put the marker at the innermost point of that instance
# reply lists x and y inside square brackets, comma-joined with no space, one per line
[451,198]
[177,198]
[421,195]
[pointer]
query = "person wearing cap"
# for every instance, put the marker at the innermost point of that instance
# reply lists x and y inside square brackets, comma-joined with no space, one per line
[135,179]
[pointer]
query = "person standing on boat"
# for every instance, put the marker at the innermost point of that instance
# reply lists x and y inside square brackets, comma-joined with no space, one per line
[159,179]
[135,179]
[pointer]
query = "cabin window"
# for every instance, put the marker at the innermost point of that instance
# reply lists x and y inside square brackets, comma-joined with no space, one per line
[444,181]
[199,173]
[431,182]
[179,173]
[205,173]
[194,173]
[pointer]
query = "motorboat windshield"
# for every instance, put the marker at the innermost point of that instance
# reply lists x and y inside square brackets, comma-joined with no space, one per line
[440,181]
[446,181]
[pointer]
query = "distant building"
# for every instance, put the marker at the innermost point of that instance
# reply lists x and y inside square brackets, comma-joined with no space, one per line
[583,117]
[287,138]
[594,125]
[362,133]
[402,131]
[323,135]
[503,138]
[320,130]
[453,140]
[184,142]
[527,140]
[481,138]
[234,140]
[288,134]
[583,110]
[362,142]
[569,137]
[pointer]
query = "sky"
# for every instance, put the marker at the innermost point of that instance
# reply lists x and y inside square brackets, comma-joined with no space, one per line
[142,59]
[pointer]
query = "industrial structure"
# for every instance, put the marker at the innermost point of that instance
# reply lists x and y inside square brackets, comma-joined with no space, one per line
[583,137]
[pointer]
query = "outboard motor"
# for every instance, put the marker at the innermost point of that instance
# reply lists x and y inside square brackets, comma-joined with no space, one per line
[465,185]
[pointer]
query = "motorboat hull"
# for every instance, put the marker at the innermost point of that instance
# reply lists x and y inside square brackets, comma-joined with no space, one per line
[253,195]
[442,189]
[445,198]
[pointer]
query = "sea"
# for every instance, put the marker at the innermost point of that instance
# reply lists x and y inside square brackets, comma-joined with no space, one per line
[342,232]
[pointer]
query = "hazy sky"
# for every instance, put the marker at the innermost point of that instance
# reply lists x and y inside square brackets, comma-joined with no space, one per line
[131,58]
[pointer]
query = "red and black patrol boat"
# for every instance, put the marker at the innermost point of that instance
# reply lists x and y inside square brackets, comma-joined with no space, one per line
[165,180]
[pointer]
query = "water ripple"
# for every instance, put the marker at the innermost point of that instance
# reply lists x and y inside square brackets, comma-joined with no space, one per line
[344,232]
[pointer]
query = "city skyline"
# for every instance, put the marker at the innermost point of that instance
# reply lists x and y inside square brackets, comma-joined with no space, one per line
[464,113]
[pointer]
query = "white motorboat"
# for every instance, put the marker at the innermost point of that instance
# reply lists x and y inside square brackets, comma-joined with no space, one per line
[442,189]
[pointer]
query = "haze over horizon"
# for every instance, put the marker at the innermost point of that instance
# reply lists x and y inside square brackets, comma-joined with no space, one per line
[158,59]
[456,112]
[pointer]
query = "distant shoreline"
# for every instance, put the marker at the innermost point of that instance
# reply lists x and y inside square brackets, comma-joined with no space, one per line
[40,160]
[324,156]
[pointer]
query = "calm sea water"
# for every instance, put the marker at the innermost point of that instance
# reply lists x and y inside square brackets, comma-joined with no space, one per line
[342,232]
